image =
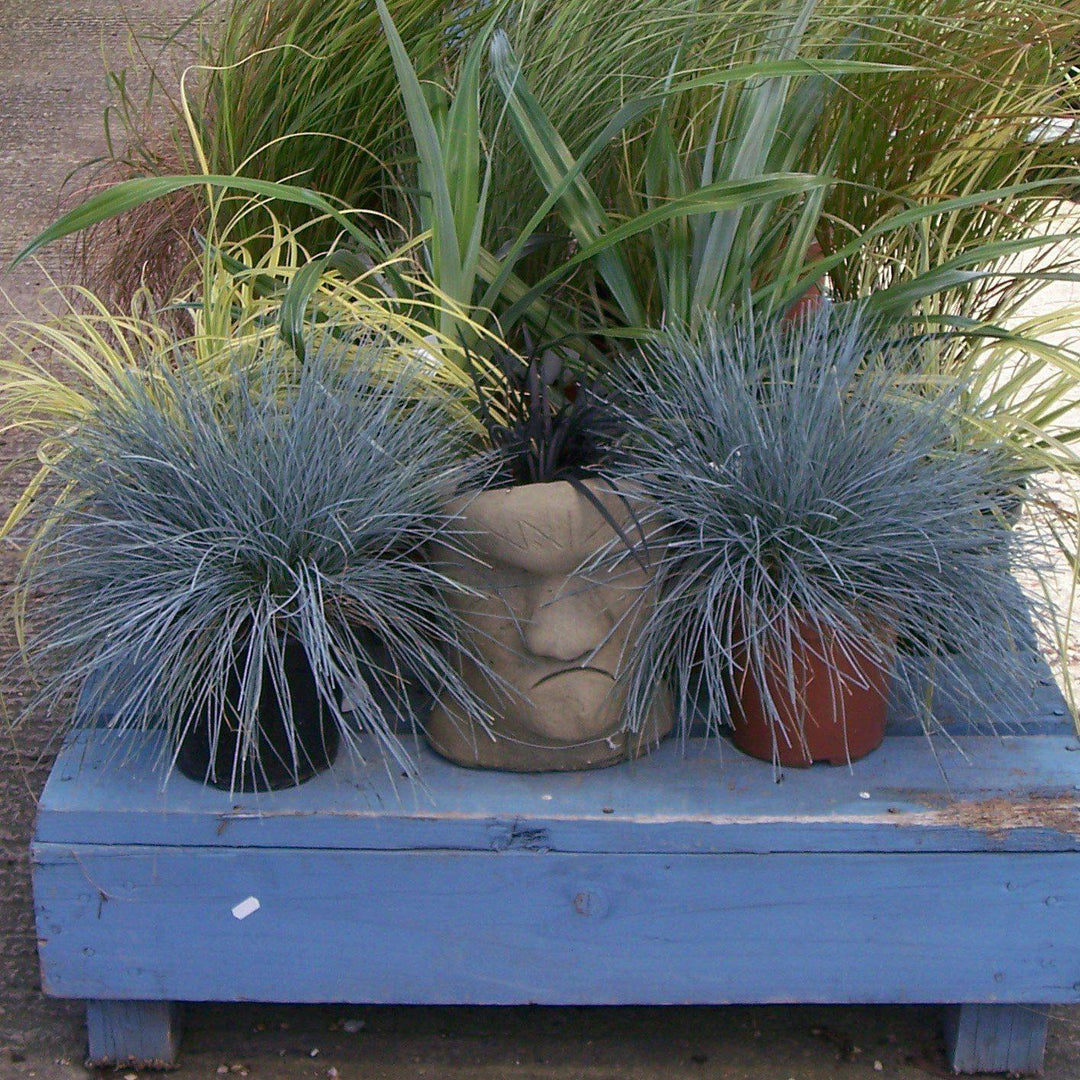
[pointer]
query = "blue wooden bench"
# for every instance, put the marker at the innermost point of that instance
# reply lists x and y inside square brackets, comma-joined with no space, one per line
[688,877]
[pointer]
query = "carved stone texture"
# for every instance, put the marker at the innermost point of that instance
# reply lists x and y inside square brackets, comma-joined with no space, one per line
[554,623]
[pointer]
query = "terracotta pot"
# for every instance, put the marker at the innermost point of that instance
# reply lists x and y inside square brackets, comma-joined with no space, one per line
[557,638]
[837,712]
[284,759]
[813,298]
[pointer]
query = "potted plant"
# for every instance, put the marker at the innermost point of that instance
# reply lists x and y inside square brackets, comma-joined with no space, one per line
[236,557]
[554,570]
[821,508]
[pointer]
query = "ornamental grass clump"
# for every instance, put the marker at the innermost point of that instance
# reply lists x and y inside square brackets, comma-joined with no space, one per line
[905,105]
[221,527]
[58,367]
[817,497]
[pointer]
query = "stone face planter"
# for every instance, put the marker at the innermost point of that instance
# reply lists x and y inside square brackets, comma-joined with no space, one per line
[557,637]
[836,713]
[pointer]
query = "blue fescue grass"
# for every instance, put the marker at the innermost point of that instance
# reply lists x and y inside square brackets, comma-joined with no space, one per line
[200,513]
[809,479]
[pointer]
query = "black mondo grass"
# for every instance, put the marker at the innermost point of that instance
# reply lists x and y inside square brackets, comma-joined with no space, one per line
[809,483]
[217,531]
[545,423]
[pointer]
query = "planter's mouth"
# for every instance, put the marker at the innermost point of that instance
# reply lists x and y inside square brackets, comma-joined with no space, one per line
[572,671]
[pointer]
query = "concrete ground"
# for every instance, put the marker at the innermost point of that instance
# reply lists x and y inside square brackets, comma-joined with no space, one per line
[52,92]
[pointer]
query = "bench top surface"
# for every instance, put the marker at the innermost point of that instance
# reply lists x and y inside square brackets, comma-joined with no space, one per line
[965,792]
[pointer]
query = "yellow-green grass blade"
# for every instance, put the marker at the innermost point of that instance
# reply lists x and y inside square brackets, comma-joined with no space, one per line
[988,257]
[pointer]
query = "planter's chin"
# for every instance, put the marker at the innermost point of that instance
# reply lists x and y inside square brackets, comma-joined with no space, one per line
[557,638]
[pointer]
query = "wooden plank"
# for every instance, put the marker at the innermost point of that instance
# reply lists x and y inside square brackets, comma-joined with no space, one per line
[996,1038]
[144,1034]
[1009,794]
[471,928]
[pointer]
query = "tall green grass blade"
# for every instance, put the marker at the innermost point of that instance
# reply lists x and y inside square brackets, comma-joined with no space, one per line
[446,263]
[553,160]
[969,329]
[915,215]
[747,152]
[988,257]
[531,304]
[129,194]
[716,197]
[793,68]
[665,178]
[625,117]
[461,153]
[673,247]
[292,320]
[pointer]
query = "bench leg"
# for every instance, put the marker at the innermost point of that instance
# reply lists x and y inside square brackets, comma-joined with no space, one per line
[145,1034]
[996,1038]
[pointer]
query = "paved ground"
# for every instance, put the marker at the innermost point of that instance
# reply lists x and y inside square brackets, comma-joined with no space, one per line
[52,91]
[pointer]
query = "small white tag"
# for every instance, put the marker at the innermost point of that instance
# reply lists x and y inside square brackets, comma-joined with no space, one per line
[246,907]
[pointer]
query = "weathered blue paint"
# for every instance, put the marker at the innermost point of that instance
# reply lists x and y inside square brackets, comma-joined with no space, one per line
[917,875]
[141,1033]
[985,794]
[996,1038]
[520,926]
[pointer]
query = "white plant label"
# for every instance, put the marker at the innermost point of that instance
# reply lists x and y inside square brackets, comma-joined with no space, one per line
[246,907]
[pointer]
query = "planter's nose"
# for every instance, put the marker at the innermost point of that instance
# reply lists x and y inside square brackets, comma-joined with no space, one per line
[564,621]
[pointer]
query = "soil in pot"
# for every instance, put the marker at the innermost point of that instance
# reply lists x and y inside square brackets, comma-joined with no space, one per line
[830,703]
[556,637]
[285,758]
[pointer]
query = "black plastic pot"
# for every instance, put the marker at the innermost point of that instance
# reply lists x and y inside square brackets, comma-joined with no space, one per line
[282,761]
